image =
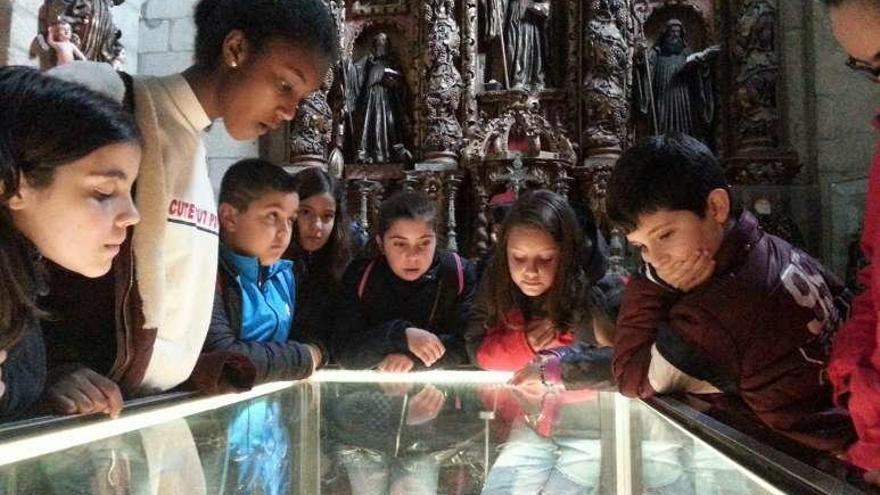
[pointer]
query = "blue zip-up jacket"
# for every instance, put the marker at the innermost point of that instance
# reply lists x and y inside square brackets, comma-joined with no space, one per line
[253,310]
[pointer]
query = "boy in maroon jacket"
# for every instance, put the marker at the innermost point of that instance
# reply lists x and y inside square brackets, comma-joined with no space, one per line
[720,306]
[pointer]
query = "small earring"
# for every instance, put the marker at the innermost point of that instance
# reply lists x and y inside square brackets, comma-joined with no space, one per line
[233,64]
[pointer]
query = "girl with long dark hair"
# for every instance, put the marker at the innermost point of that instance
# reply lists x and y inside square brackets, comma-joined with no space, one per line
[65,195]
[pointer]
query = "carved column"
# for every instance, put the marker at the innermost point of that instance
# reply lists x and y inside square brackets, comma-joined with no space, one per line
[470,115]
[442,188]
[369,194]
[481,234]
[617,254]
[337,9]
[606,108]
[573,75]
[444,83]
[452,183]
[411,181]
[334,92]
[310,132]
[758,152]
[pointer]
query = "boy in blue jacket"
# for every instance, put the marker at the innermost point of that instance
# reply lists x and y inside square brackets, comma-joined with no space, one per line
[256,291]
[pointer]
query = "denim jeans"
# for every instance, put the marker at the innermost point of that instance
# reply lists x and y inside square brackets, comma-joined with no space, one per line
[530,464]
[373,472]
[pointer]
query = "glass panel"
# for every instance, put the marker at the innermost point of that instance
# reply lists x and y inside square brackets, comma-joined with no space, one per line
[457,433]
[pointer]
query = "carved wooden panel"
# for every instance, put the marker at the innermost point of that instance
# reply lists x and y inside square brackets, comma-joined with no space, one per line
[567,133]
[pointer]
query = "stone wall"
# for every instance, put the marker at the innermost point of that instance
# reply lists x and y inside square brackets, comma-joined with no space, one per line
[844,103]
[827,110]
[127,18]
[167,36]
[18,26]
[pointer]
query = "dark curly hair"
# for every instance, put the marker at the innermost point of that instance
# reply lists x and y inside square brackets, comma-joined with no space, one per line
[306,23]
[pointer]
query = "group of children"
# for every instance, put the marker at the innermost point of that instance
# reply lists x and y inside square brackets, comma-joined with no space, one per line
[288,291]
[137,290]
[718,308]
[137,324]
[409,307]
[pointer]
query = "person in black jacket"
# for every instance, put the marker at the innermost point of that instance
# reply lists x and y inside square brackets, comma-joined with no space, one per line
[407,308]
[65,195]
[325,240]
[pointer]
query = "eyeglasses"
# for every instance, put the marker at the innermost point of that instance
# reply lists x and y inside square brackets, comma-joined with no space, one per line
[866,70]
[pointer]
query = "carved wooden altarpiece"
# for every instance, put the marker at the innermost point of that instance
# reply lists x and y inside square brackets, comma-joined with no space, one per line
[473,124]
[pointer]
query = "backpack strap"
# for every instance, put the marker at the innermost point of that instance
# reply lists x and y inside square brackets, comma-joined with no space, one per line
[432,316]
[459,274]
[366,276]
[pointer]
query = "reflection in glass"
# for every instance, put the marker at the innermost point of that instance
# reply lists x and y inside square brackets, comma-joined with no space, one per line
[155,460]
[400,437]
[258,452]
[548,442]
[675,463]
[448,437]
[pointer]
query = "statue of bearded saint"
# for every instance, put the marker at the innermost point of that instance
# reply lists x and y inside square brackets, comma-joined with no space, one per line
[376,97]
[520,28]
[674,85]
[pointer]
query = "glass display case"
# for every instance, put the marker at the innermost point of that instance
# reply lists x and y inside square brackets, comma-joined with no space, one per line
[454,432]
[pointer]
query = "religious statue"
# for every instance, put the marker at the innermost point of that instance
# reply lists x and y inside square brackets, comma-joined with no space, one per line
[91,28]
[520,28]
[674,85]
[374,94]
[61,39]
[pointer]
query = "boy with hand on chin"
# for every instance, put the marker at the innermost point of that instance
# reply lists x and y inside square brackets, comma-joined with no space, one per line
[720,306]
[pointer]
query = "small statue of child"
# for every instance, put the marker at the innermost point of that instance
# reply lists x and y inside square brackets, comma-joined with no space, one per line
[61,40]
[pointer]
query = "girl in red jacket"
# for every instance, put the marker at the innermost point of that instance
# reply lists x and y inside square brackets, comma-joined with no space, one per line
[854,368]
[536,291]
